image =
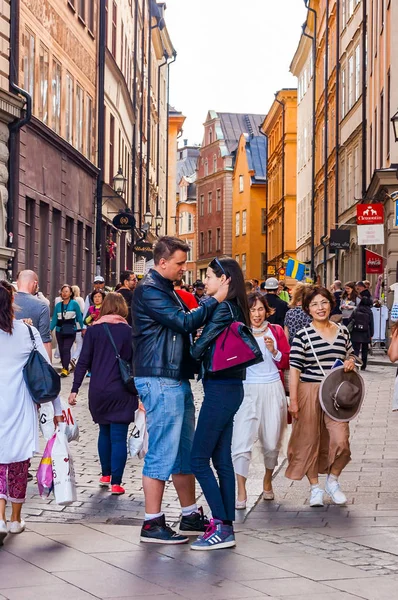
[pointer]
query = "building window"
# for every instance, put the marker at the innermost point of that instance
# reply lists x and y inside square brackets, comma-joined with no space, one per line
[210,135]
[263,220]
[218,239]
[69,108]
[210,205]
[215,163]
[81,9]
[350,82]
[69,249]
[244,216]
[121,50]
[190,251]
[90,15]
[202,205]
[111,148]
[30,233]
[388,112]
[241,183]
[237,257]
[190,223]
[29,63]
[43,74]
[209,241]
[243,266]
[237,224]
[356,173]
[56,97]
[79,118]
[357,72]
[114,29]
[202,243]
[343,90]
[218,200]
[206,168]
[89,126]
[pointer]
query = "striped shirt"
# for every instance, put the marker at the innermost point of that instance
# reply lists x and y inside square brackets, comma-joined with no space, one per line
[303,359]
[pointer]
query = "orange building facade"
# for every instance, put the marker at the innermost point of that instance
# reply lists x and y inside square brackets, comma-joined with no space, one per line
[280,127]
[248,205]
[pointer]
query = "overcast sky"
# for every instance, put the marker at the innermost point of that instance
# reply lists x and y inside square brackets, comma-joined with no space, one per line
[233,55]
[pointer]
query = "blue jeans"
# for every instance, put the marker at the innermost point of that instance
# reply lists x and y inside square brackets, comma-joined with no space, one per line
[170,419]
[213,439]
[112,450]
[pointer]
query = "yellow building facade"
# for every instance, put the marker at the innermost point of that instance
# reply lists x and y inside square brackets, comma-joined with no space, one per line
[280,127]
[249,205]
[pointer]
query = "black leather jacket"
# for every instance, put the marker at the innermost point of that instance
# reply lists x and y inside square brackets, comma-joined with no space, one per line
[161,326]
[203,348]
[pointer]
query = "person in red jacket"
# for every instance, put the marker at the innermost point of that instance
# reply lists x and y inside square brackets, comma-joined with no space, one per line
[188,299]
[263,412]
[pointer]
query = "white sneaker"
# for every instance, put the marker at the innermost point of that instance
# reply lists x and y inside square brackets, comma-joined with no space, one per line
[316,498]
[3,531]
[332,488]
[16,527]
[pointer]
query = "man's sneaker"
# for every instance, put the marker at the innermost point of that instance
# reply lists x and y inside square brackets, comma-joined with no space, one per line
[64,373]
[216,537]
[3,531]
[117,490]
[316,498]
[72,364]
[194,524]
[156,531]
[332,488]
[105,481]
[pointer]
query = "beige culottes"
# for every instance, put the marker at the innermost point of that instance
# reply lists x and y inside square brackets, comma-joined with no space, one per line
[317,443]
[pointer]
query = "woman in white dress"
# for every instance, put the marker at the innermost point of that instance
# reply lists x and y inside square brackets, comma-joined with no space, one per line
[19,426]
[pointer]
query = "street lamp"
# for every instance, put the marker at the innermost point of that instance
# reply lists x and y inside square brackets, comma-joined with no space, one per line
[394,121]
[158,222]
[119,182]
[148,218]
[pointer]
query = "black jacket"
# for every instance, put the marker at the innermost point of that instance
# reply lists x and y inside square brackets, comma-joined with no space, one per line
[161,327]
[363,325]
[203,348]
[281,307]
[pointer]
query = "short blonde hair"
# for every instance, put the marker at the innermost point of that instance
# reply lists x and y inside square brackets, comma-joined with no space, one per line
[298,293]
[76,291]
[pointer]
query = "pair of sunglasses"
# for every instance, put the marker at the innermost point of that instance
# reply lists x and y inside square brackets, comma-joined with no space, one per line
[215,260]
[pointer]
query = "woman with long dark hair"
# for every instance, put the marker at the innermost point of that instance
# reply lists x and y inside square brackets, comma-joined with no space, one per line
[349,301]
[19,425]
[223,395]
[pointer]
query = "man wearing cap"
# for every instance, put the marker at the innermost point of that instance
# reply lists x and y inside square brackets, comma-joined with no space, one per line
[98,284]
[199,293]
[280,306]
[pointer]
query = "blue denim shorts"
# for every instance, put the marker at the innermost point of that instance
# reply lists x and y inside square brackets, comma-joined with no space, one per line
[170,415]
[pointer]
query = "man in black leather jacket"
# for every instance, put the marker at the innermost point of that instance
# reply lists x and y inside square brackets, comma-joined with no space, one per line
[163,330]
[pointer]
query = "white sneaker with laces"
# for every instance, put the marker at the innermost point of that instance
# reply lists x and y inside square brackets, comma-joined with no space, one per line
[316,498]
[3,531]
[332,488]
[16,527]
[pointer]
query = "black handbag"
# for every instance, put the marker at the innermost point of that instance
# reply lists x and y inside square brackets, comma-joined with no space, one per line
[41,378]
[67,328]
[124,366]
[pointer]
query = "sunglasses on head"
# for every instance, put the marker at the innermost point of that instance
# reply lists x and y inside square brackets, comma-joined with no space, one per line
[217,262]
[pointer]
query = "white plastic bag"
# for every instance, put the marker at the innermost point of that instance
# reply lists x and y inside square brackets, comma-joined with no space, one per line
[46,420]
[138,438]
[72,428]
[63,470]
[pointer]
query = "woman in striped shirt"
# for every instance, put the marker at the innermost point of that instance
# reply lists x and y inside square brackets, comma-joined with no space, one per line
[318,444]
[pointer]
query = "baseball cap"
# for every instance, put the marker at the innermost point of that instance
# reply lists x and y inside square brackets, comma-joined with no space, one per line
[99,279]
[199,285]
[271,283]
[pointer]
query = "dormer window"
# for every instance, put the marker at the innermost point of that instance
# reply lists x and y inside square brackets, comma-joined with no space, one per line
[210,135]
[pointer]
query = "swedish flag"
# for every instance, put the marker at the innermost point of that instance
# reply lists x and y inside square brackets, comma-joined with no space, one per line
[295,269]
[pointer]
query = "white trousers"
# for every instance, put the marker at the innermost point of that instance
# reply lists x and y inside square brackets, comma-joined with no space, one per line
[77,346]
[262,415]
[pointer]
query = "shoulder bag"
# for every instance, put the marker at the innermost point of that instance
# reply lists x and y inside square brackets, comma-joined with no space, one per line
[236,346]
[124,366]
[67,328]
[41,378]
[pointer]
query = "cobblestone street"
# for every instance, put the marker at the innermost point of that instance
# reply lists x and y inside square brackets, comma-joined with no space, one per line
[285,548]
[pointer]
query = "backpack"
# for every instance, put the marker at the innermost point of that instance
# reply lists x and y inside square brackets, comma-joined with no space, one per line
[361,321]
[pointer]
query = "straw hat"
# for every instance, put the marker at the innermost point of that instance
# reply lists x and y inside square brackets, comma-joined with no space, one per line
[341,394]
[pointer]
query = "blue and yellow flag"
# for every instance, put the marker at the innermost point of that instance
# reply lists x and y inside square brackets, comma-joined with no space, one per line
[295,269]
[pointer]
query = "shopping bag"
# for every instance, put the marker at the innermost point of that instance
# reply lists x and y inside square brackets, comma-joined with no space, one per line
[45,470]
[72,428]
[46,420]
[138,438]
[63,470]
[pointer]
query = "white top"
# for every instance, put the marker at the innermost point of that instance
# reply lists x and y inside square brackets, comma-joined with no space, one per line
[267,371]
[380,318]
[394,288]
[19,425]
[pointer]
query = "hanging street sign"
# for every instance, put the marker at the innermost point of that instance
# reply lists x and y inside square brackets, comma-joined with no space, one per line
[370,214]
[374,262]
[369,235]
[143,248]
[339,239]
[124,221]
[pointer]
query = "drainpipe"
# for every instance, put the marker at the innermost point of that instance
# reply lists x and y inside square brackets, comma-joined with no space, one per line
[364,120]
[167,144]
[101,132]
[337,135]
[313,143]
[134,144]
[14,128]
[283,175]
[141,178]
[158,135]
[148,111]
[326,157]
[266,208]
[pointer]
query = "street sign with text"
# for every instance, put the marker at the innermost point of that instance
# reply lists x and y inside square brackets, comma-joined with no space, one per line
[339,239]
[370,214]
